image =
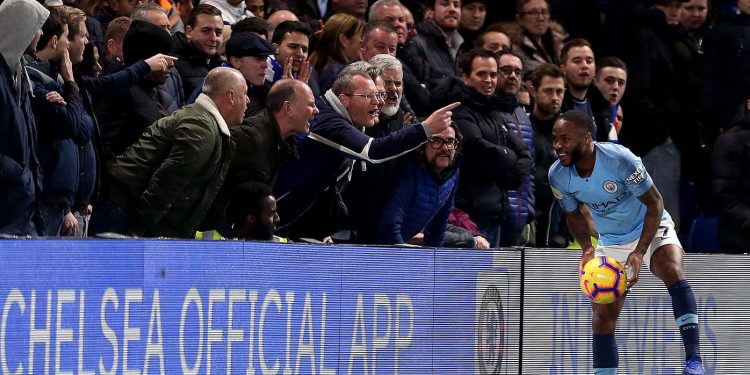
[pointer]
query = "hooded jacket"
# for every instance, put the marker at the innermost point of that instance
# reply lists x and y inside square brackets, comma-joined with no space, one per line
[20,174]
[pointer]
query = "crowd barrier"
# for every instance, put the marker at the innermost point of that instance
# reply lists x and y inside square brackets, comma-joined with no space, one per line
[201,307]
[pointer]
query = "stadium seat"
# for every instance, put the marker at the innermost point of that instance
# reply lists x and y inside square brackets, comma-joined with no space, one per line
[703,235]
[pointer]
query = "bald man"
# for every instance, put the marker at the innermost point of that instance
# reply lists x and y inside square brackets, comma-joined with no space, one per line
[278,17]
[164,184]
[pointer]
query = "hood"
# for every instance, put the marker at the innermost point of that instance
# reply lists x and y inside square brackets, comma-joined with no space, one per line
[24,17]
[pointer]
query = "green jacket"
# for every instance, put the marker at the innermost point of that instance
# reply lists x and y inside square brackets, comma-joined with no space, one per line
[168,179]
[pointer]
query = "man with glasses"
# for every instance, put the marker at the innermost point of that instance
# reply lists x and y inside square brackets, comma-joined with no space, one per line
[424,191]
[495,159]
[335,141]
[520,210]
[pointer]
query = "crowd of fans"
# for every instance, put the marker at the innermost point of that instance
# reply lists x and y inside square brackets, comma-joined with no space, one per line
[425,122]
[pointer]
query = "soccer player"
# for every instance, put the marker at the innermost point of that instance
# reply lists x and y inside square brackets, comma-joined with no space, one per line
[633,226]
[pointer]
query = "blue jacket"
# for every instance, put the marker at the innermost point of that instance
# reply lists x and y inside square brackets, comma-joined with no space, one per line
[20,174]
[327,154]
[520,201]
[421,201]
[62,129]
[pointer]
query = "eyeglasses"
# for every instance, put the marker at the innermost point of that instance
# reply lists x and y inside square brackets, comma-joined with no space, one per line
[437,142]
[536,13]
[370,95]
[507,70]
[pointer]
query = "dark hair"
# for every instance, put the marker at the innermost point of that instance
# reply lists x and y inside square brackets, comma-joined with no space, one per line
[289,26]
[282,90]
[507,51]
[52,27]
[573,43]
[246,200]
[202,9]
[579,118]
[545,70]
[252,25]
[465,60]
[610,62]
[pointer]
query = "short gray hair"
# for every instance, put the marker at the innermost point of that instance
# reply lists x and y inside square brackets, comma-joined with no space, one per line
[221,79]
[345,80]
[386,62]
[363,67]
[141,11]
[378,4]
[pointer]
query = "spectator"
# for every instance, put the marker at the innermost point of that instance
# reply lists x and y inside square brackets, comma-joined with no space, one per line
[197,48]
[252,25]
[548,89]
[232,11]
[164,184]
[520,209]
[153,14]
[366,194]
[660,130]
[277,17]
[123,118]
[355,8]
[390,11]
[495,159]
[611,79]
[19,168]
[411,26]
[292,43]
[248,52]
[432,53]
[339,45]
[263,142]
[256,7]
[473,14]
[730,182]
[107,10]
[114,36]
[185,7]
[493,40]
[378,37]
[335,136]
[537,43]
[423,196]
[577,61]
[61,123]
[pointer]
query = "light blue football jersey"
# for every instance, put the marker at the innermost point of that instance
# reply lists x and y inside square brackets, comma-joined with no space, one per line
[610,193]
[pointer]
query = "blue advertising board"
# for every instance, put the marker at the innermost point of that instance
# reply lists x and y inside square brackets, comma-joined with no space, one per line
[191,307]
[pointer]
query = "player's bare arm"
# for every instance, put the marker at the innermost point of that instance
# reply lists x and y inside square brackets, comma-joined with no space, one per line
[579,227]
[654,209]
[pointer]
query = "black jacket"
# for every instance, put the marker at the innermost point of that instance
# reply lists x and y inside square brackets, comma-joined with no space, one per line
[655,101]
[731,183]
[193,65]
[428,55]
[600,108]
[494,159]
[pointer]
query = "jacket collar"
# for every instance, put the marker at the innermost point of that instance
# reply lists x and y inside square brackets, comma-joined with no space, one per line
[204,101]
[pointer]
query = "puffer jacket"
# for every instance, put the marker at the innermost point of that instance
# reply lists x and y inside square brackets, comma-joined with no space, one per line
[421,201]
[168,179]
[521,201]
[494,159]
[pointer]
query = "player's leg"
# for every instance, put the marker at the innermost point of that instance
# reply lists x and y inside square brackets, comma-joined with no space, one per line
[604,346]
[666,263]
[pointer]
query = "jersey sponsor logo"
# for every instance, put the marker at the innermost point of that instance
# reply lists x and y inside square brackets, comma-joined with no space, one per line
[556,193]
[638,176]
[610,186]
[602,207]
